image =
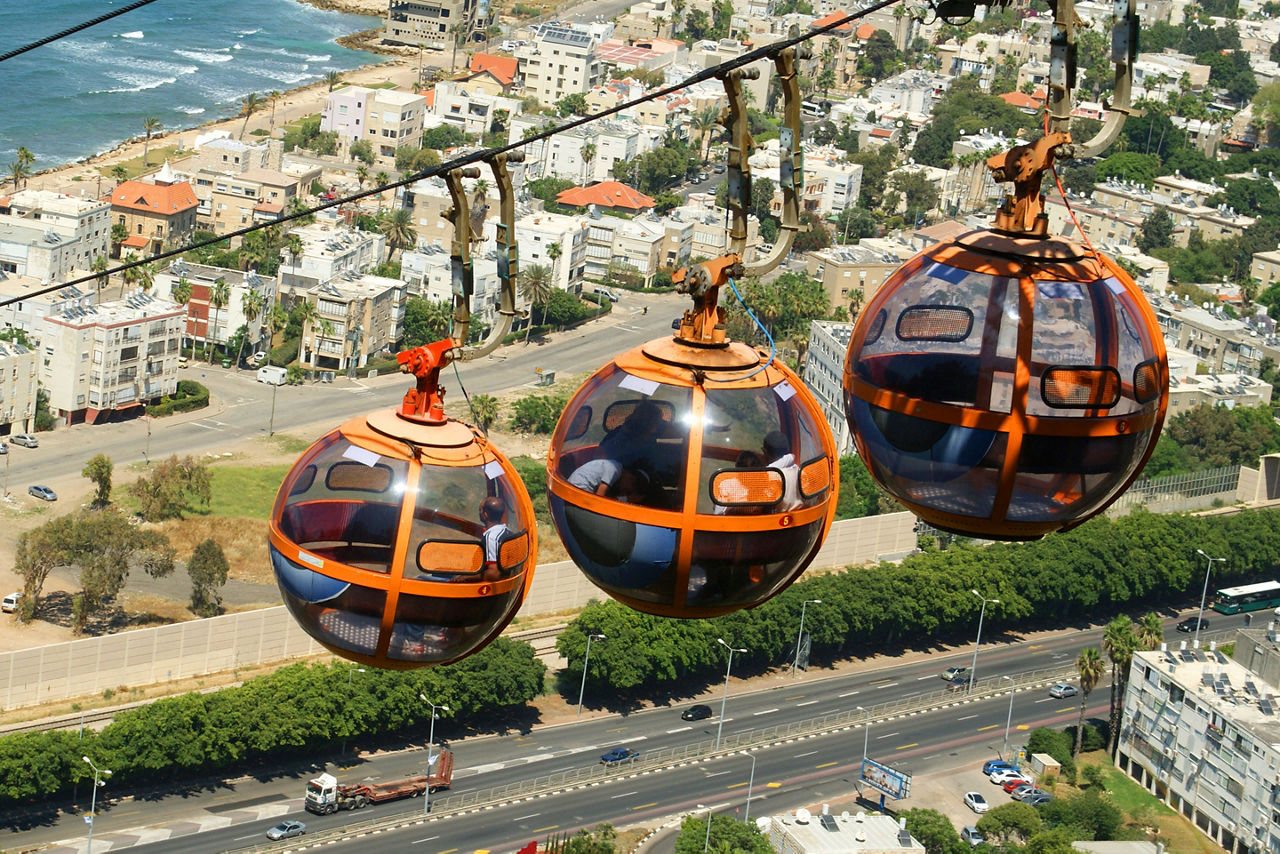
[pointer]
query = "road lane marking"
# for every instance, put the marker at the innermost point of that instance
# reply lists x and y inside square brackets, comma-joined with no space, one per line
[922,678]
[1044,700]
[985,728]
[414,842]
[825,765]
[763,712]
[796,697]
[1067,709]
[625,795]
[679,729]
[539,830]
[773,785]
[806,703]
[889,735]
[736,786]
[802,755]
[905,746]
[641,807]
[966,718]
[850,694]
[887,685]
[1035,646]
[530,815]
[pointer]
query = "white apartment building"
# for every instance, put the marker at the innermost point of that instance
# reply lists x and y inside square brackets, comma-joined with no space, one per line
[386,118]
[330,250]
[428,274]
[427,23]
[539,230]
[824,375]
[707,53]
[219,151]
[208,323]
[803,833]
[709,238]
[1202,732]
[561,155]
[560,61]
[467,108]
[46,235]
[841,180]
[29,308]
[110,358]
[18,387]
[634,243]
[355,319]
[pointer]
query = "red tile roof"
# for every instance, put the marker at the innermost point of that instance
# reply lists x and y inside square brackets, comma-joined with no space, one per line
[501,67]
[832,18]
[881,132]
[606,194]
[1022,101]
[864,32]
[154,198]
[135,241]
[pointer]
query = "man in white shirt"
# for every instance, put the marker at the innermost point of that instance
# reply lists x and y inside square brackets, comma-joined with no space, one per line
[778,449]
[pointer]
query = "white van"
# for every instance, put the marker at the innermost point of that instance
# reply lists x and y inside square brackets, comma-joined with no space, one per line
[10,603]
[272,375]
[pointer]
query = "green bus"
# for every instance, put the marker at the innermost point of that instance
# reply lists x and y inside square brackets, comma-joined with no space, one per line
[1250,597]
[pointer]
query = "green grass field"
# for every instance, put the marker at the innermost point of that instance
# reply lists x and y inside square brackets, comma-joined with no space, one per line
[247,491]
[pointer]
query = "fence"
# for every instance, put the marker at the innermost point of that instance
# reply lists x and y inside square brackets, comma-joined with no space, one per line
[1182,491]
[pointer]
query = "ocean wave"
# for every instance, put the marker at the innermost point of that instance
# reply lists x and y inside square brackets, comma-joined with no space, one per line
[154,83]
[244,33]
[190,111]
[305,57]
[204,55]
[136,34]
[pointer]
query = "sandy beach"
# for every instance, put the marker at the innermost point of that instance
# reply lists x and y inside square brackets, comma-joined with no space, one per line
[83,176]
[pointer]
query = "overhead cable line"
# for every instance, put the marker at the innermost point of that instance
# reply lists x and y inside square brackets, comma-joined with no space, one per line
[714,71]
[70,31]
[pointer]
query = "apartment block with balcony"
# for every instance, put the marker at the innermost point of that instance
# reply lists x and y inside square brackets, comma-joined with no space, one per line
[1221,344]
[209,323]
[47,235]
[354,320]
[394,120]
[560,61]
[824,375]
[106,362]
[28,307]
[539,231]
[239,200]
[427,24]
[330,250]
[470,110]
[18,387]
[1201,731]
[852,274]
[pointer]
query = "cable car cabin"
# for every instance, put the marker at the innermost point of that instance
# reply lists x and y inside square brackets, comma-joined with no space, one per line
[379,537]
[1006,387]
[684,496]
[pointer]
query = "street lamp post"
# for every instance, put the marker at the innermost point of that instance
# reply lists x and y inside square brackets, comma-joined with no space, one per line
[866,735]
[1205,592]
[1008,722]
[271,425]
[973,670]
[751,781]
[585,660]
[800,635]
[431,743]
[725,696]
[706,840]
[98,774]
[350,672]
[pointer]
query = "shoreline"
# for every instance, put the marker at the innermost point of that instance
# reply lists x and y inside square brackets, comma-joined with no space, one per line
[302,100]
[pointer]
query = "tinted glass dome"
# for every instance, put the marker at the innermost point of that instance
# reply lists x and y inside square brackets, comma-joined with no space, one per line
[402,559]
[1006,387]
[683,496]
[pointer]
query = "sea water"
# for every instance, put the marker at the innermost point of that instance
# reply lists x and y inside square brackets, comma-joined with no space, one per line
[181,61]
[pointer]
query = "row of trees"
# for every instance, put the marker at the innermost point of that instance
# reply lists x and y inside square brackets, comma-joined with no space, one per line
[296,711]
[1130,562]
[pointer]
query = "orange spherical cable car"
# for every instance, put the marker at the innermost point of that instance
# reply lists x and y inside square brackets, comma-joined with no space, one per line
[403,538]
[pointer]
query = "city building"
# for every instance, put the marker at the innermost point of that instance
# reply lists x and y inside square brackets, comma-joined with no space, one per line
[209,323]
[28,306]
[805,833]
[387,119]
[1221,344]
[18,388]
[539,231]
[354,320]
[709,238]
[156,215]
[238,200]
[47,235]
[824,375]
[108,360]
[330,250]
[431,24]
[616,245]
[851,274]
[491,74]
[469,109]
[607,195]
[560,61]
[1201,732]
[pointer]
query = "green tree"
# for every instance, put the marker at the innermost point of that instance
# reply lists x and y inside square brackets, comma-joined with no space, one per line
[484,408]
[332,78]
[921,194]
[573,104]
[1119,643]
[1012,823]
[1130,166]
[150,125]
[880,56]
[208,571]
[934,831]
[104,546]
[362,150]
[219,296]
[249,104]
[1090,667]
[1156,231]
[19,172]
[425,321]
[1149,632]
[99,267]
[725,834]
[855,223]
[98,472]
[535,290]
[398,227]
[538,413]
[173,488]
[120,173]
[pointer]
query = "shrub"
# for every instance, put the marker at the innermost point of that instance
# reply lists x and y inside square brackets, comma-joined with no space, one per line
[538,413]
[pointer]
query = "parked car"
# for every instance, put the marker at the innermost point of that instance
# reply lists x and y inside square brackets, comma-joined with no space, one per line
[1189,624]
[992,765]
[44,493]
[1038,798]
[4,448]
[675,324]
[287,830]
[1020,791]
[696,713]
[618,755]
[971,835]
[718,168]
[975,802]
[952,672]
[960,683]
[1017,782]
[1000,776]
[10,603]
[26,440]
[1062,689]
[1026,794]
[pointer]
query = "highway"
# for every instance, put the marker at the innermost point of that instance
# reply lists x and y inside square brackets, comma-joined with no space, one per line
[788,774]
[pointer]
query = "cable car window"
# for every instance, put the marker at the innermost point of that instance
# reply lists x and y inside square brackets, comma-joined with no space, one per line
[1076,387]
[1146,381]
[746,489]
[877,326]
[358,477]
[935,323]
[306,478]
[580,423]
[815,477]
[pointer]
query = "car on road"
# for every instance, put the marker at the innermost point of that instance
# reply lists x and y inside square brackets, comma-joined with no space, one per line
[975,802]
[1014,784]
[992,765]
[960,683]
[1000,776]
[618,755]
[971,835]
[696,713]
[1038,799]
[952,672]
[44,493]
[1026,794]
[26,440]
[4,449]
[287,830]
[10,603]
[1189,624]
[718,168]
[1062,690]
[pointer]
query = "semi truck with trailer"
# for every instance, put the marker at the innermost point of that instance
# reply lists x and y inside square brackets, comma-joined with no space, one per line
[326,795]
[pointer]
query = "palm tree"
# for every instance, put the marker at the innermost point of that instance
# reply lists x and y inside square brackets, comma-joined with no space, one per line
[362,174]
[181,292]
[535,288]
[19,172]
[704,121]
[130,276]
[248,105]
[484,408]
[382,179]
[398,227]
[120,172]
[554,252]
[458,31]
[333,78]
[277,320]
[1090,666]
[273,96]
[99,266]
[218,299]
[151,125]
[251,303]
[146,277]
[1118,642]
[25,155]
[308,311]
[588,153]
[1150,631]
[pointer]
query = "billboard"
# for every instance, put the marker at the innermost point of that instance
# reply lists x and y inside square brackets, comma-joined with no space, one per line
[894,783]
